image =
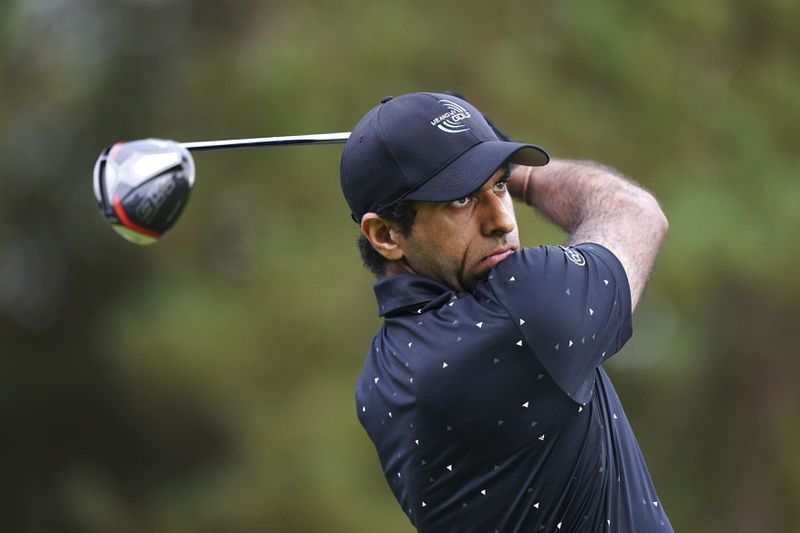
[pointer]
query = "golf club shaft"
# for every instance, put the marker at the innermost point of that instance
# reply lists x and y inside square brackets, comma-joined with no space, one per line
[321,138]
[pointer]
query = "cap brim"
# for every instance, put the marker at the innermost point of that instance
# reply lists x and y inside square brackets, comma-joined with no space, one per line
[473,168]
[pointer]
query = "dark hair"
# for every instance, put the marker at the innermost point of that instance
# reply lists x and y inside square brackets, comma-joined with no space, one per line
[402,213]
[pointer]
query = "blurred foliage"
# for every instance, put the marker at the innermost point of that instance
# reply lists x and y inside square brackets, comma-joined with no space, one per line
[205,383]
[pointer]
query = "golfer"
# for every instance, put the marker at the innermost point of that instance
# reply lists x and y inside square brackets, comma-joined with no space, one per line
[483,391]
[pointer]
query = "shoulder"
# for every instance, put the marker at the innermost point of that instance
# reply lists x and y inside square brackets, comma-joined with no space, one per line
[543,256]
[545,270]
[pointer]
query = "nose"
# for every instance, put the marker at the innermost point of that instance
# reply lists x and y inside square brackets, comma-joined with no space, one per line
[498,215]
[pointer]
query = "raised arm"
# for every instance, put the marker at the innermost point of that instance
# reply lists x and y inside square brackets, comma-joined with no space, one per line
[594,203]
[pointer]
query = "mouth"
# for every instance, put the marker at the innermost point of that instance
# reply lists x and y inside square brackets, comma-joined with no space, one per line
[496,257]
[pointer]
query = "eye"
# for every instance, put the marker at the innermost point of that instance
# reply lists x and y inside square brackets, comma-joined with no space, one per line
[500,186]
[461,202]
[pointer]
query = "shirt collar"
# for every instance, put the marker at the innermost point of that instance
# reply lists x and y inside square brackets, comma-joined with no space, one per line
[410,293]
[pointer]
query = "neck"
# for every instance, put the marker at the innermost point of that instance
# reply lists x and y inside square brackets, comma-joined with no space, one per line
[392,268]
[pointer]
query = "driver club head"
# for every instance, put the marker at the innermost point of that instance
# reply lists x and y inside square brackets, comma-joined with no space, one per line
[142,186]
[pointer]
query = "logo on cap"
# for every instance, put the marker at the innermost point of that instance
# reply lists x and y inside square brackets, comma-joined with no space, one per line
[450,121]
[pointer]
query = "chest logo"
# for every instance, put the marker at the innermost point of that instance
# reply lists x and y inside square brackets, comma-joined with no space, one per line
[573,255]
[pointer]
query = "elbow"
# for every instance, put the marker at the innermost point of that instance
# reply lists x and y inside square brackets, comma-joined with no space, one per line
[654,215]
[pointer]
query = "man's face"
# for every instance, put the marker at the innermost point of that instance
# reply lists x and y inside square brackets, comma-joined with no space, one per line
[458,242]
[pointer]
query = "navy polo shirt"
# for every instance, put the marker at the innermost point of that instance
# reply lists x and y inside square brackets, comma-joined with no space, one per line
[490,410]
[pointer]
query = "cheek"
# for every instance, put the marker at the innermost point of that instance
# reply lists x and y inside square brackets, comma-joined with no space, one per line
[445,252]
[442,251]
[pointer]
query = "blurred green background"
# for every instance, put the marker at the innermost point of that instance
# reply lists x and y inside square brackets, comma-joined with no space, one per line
[205,384]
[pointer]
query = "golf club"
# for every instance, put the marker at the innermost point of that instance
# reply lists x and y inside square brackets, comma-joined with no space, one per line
[142,186]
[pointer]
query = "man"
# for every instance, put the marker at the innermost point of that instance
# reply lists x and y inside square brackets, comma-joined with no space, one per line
[483,390]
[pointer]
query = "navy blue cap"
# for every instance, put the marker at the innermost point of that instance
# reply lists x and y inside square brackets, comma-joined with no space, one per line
[424,146]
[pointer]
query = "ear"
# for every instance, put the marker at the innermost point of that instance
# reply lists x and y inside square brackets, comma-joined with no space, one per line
[383,235]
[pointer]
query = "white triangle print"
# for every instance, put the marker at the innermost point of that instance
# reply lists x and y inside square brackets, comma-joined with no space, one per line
[479,324]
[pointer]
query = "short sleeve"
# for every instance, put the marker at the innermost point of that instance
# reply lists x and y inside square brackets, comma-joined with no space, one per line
[572,306]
